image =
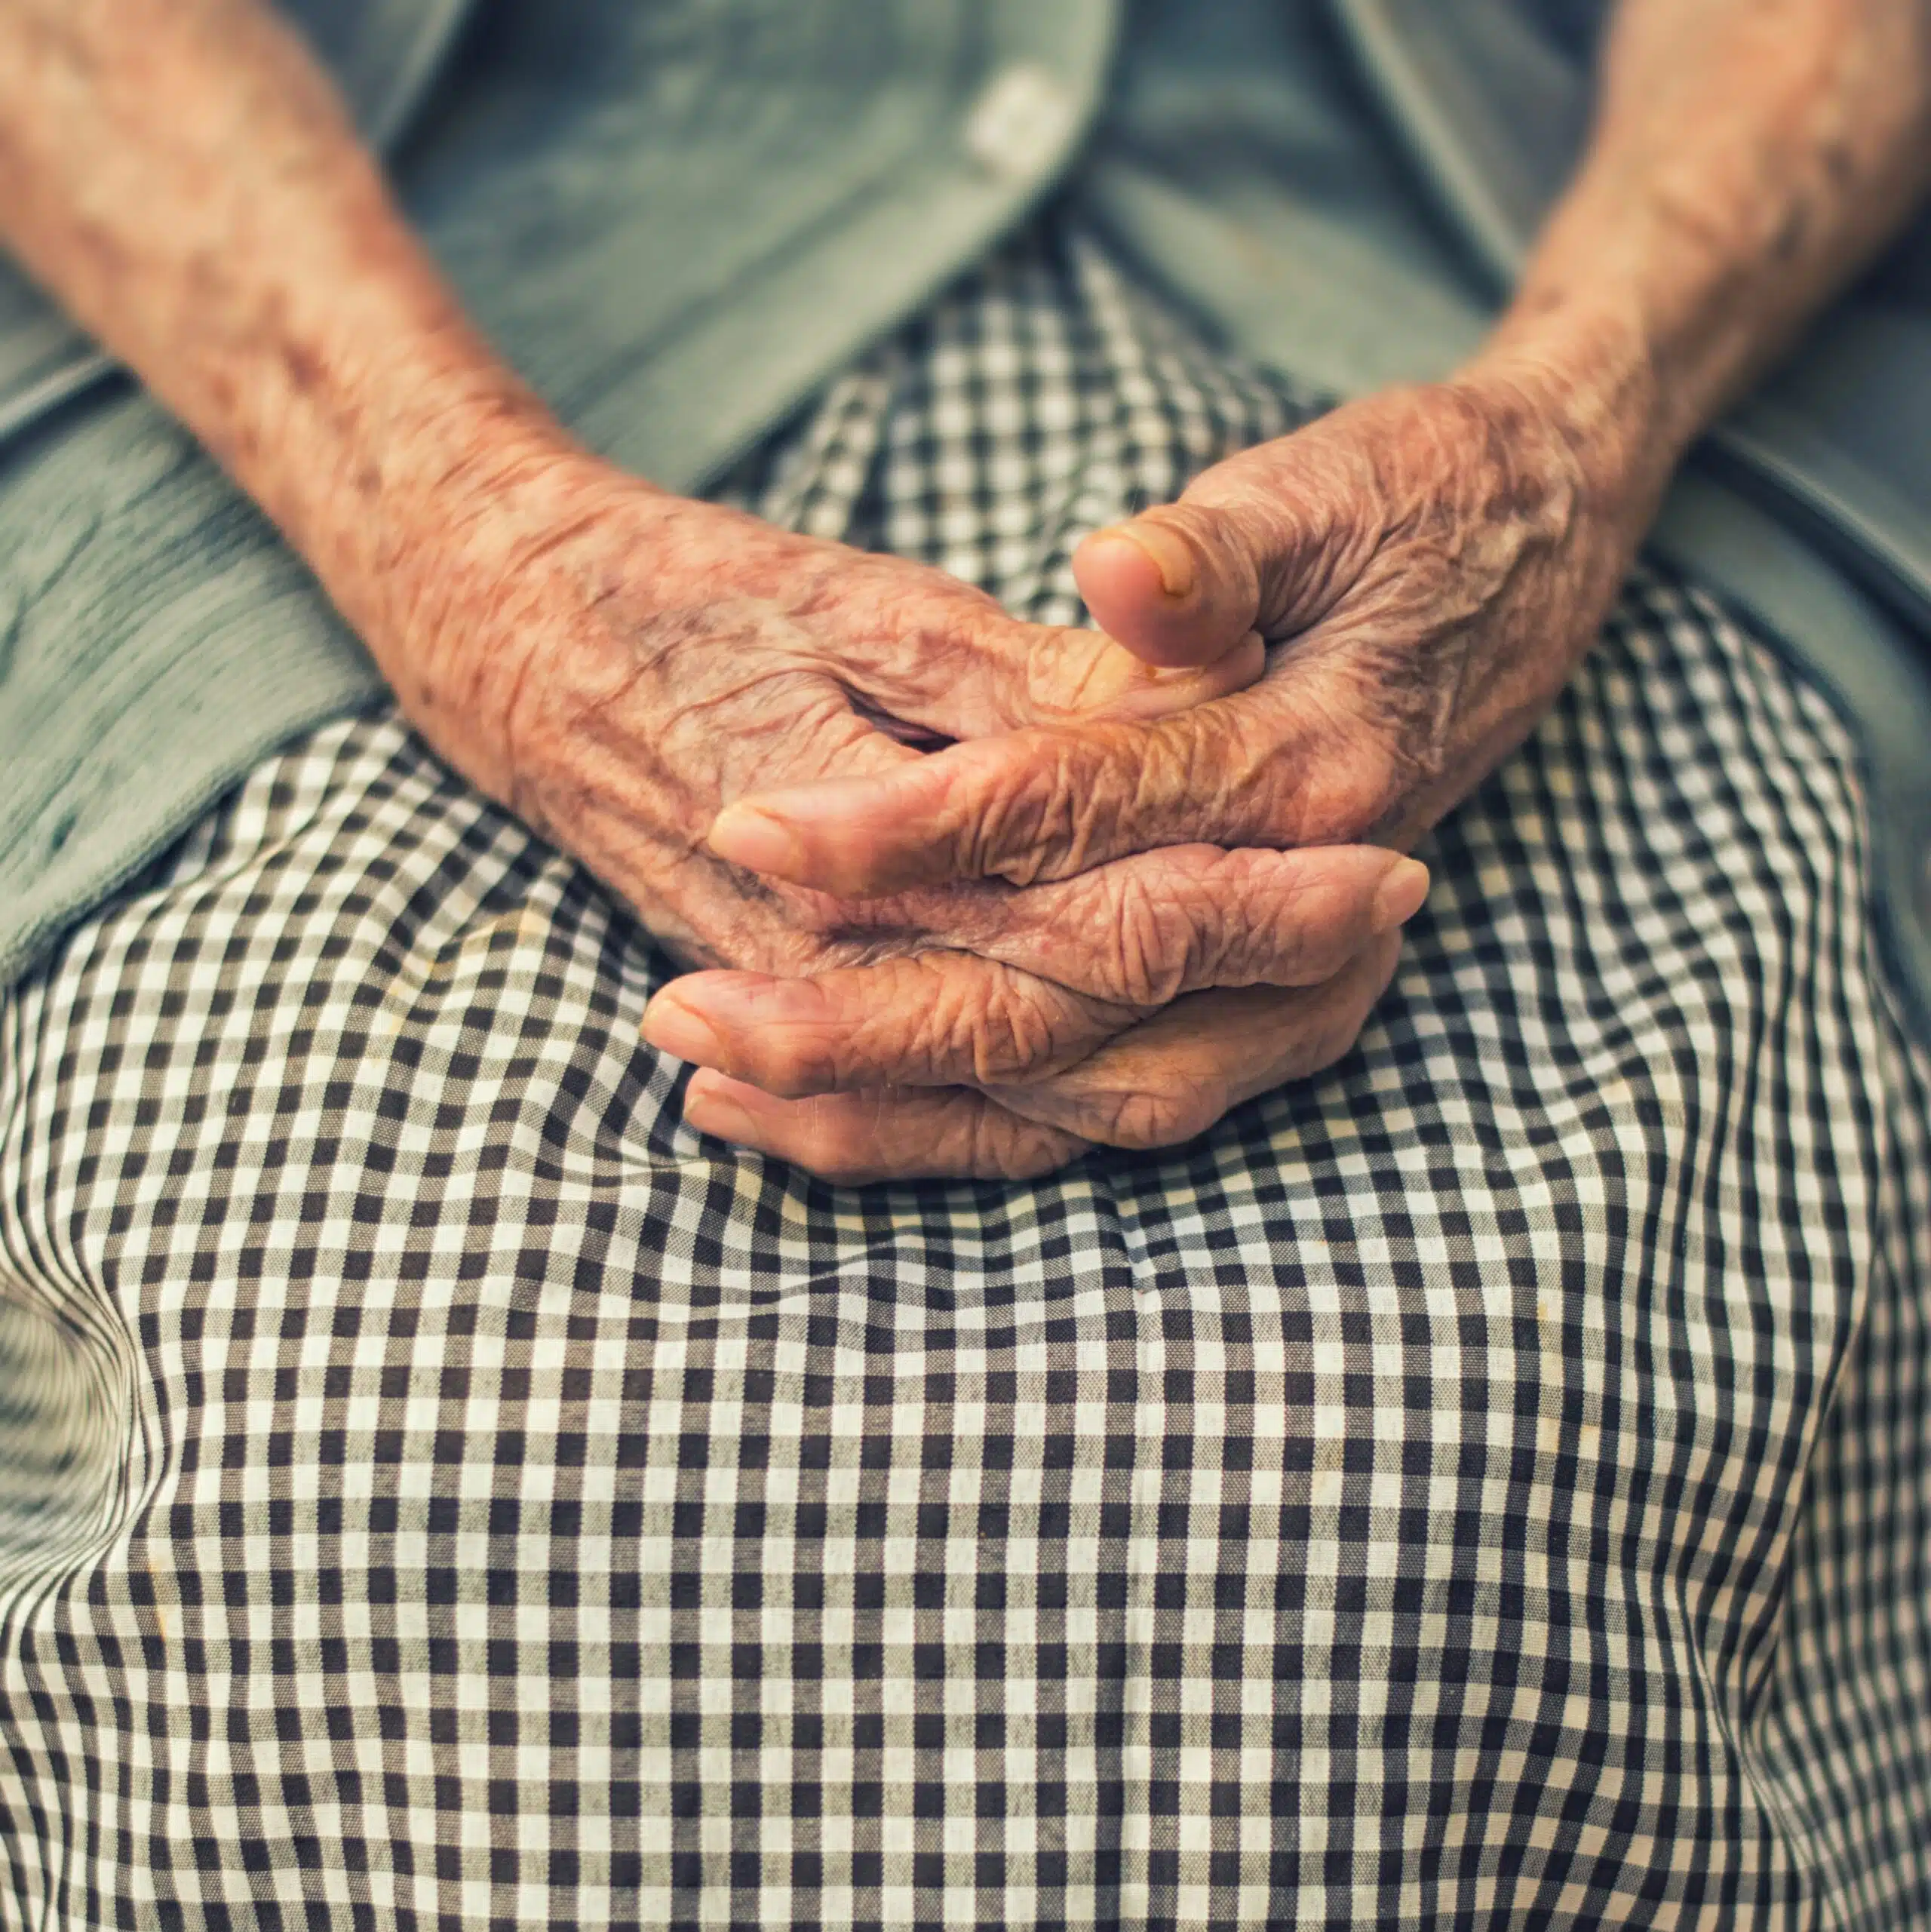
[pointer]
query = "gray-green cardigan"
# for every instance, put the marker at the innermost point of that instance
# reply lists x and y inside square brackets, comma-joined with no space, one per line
[678,219]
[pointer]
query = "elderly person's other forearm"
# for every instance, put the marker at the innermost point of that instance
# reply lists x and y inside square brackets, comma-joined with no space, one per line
[1748,156]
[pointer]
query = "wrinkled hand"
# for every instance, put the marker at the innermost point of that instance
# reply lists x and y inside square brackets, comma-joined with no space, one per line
[618,666]
[1428,569]
[1425,567]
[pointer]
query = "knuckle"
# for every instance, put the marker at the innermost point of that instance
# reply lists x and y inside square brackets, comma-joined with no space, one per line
[1346,775]
[946,1032]
[1087,794]
[1150,942]
[965,1032]
[1340,800]
[991,1030]
[1254,918]
[1048,825]
[990,1144]
[1025,1040]
[1018,1134]
[1219,777]
[1272,922]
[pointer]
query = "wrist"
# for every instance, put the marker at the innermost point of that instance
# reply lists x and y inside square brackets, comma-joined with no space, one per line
[491,558]
[1590,383]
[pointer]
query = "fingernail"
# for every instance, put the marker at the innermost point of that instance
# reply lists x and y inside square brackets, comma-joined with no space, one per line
[1172,554]
[742,835]
[671,1028]
[711,1112]
[1403,891]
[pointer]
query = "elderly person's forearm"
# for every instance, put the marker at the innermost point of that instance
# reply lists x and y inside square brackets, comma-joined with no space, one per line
[181,175]
[1749,156]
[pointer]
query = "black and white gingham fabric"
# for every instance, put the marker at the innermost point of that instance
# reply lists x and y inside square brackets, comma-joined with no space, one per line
[1490,1486]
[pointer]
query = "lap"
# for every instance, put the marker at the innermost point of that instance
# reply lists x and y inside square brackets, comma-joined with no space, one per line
[503,1502]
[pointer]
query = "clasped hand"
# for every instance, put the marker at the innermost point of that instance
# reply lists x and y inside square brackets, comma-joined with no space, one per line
[1147,873]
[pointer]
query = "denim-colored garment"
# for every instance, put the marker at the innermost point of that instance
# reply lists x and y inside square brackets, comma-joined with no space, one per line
[678,220]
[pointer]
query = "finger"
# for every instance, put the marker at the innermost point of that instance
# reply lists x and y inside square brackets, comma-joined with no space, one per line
[1141,931]
[936,1020]
[1086,959]
[1258,543]
[1171,1078]
[853,1139]
[1031,805]
[1277,767]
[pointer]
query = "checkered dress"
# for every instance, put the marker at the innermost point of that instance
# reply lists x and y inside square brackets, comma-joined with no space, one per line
[1488,1484]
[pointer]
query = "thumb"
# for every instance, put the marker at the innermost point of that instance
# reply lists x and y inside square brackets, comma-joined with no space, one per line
[1186,583]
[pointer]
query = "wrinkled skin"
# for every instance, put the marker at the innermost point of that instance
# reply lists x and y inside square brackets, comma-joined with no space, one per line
[617,666]
[1427,568]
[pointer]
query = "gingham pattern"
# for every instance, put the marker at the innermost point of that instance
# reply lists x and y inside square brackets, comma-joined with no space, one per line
[1489,1485]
